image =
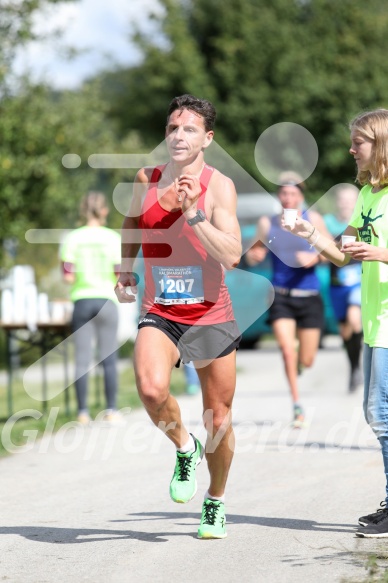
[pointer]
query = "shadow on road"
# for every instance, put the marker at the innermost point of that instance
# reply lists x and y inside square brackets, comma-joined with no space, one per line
[75,535]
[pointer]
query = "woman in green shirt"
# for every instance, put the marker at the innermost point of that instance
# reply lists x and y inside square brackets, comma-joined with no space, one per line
[91,258]
[369,224]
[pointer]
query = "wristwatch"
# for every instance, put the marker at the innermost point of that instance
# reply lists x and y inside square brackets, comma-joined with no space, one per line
[199,218]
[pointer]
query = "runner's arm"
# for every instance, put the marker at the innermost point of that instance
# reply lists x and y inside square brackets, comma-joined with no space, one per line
[322,243]
[130,241]
[258,251]
[307,258]
[221,236]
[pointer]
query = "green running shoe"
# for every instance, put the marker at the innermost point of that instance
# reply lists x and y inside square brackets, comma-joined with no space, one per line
[298,421]
[213,520]
[183,484]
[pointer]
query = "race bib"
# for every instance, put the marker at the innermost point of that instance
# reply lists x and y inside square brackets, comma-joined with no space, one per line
[178,285]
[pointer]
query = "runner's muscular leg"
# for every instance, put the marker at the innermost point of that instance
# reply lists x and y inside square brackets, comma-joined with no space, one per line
[155,355]
[353,317]
[218,382]
[284,330]
[308,344]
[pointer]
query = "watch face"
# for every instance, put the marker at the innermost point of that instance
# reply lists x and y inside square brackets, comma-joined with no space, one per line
[199,218]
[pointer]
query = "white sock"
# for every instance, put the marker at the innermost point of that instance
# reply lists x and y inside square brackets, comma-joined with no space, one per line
[220,498]
[188,446]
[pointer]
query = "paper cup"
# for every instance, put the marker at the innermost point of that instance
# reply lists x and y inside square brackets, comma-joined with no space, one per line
[347,239]
[290,217]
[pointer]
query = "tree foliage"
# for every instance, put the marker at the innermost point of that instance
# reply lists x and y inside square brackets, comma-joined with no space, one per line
[38,127]
[316,63]
[16,28]
[312,62]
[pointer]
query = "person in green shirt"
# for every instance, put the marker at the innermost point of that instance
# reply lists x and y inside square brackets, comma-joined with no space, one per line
[369,224]
[91,258]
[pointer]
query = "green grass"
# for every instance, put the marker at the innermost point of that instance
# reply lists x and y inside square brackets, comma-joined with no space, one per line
[376,567]
[29,418]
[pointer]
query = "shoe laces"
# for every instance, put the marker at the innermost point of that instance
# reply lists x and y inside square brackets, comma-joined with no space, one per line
[380,512]
[383,515]
[184,467]
[210,512]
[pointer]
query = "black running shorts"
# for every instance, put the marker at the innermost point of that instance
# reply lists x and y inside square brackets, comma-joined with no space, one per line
[307,312]
[196,342]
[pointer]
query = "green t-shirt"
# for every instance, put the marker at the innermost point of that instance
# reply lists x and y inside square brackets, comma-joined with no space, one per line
[370,218]
[93,252]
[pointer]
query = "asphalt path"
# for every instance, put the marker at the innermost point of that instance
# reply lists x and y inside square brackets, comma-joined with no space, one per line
[92,504]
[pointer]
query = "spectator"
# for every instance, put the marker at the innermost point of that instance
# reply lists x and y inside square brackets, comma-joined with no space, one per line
[368,225]
[91,258]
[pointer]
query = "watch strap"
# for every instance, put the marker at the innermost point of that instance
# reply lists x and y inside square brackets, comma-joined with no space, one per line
[199,218]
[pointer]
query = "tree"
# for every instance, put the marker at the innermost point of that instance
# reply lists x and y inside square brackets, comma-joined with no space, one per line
[316,63]
[16,28]
[38,127]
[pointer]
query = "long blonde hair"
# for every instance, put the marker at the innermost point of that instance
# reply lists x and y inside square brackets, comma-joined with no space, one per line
[374,126]
[93,206]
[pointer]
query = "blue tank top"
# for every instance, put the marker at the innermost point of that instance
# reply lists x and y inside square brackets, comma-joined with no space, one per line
[283,248]
[350,274]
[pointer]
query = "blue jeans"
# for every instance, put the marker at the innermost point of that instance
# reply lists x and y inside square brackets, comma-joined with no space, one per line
[376,397]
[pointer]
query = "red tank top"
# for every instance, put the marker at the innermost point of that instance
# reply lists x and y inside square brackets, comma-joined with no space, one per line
[182,281]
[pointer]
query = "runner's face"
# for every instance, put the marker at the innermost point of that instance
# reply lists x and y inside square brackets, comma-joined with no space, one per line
[290,197]
[346,200]
[186,136]
[361,150]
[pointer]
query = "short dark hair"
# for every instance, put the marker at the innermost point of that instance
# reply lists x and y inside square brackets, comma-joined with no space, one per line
[290,178]
[202,107]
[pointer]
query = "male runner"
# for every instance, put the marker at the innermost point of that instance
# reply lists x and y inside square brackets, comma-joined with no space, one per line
[186,211]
